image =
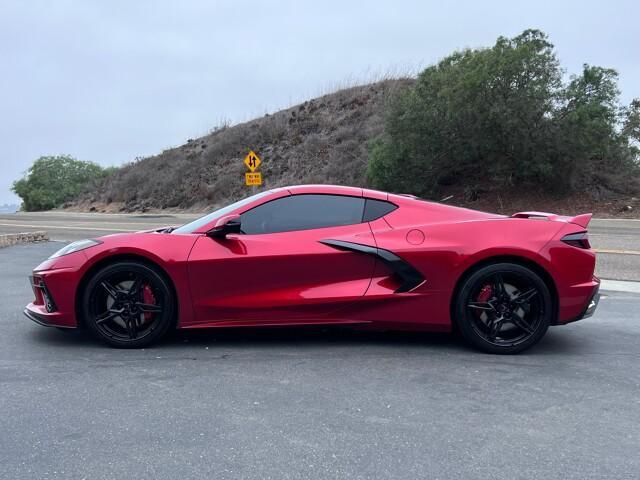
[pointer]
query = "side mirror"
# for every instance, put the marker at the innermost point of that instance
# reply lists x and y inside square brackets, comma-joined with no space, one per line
[224,226]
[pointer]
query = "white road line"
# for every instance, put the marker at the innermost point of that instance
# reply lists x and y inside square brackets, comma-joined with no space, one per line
[79,223]
[54,227]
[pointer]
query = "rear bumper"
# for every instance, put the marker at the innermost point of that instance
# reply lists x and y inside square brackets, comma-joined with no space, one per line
[590,307]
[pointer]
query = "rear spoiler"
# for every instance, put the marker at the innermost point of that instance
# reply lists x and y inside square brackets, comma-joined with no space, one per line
[582,220]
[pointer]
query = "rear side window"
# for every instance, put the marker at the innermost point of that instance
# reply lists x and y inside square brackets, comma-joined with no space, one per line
[303,212]
[375,209]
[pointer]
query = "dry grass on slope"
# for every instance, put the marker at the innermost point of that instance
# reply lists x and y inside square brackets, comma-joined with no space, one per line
[323,140]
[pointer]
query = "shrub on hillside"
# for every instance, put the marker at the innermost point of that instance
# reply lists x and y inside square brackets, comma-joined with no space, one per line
[323,140]
[503,116]
[53,180]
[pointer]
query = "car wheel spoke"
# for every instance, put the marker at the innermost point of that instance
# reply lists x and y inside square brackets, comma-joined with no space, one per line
[132,327]
[111,290]
[148,307]
[498,286]
[481,306]
[494,328]
[521,324]
[136,286]
[108,315]
[525,296]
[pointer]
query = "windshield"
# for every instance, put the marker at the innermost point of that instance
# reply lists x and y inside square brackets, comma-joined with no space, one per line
[200,222]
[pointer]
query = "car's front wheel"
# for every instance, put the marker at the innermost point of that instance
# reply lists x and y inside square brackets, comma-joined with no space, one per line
[503,308]
[128,304]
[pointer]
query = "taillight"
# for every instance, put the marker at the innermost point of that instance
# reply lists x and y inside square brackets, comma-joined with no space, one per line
[580,240]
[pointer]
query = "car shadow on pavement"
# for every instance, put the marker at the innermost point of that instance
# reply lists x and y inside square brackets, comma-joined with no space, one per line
[63,338]
[316,336]
[297,337]
[232,337]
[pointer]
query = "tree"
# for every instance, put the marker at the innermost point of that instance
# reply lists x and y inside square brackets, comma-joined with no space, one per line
[53,180]
[501,116]
[631,125]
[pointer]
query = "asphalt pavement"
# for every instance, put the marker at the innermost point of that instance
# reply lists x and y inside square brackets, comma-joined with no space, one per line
[70,226]
[312,403]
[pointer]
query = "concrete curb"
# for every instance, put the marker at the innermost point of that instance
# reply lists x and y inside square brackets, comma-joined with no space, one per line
[28,237]
[620,286]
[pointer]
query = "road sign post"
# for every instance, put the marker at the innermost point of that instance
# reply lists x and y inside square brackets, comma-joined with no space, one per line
[252,178]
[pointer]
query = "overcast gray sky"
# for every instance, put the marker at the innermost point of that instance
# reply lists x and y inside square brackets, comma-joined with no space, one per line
[112,80]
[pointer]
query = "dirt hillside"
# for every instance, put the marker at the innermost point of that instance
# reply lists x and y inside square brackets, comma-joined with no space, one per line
[323,140]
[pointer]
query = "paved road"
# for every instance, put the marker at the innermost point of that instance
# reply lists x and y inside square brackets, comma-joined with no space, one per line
[307,403]
[618,241]
[66,227]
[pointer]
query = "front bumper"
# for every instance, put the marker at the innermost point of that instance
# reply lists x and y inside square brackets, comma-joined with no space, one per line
[54,291]
[38,314]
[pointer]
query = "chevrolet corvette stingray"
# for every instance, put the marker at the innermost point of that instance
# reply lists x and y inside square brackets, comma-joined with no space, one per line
[328,255]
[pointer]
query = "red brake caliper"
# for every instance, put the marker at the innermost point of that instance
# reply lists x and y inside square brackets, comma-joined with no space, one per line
[484,296]
[148,297]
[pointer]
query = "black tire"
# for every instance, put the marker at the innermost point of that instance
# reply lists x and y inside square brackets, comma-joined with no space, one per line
[503,308]
[128,304]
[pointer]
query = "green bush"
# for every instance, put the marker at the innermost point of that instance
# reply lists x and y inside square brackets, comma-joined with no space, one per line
[53,180]
[502,116]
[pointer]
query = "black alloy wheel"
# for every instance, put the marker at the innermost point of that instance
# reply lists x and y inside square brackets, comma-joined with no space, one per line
[128,305]
[503,308]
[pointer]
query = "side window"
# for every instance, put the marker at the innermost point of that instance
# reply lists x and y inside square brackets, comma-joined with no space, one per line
[375,209]
[303,212]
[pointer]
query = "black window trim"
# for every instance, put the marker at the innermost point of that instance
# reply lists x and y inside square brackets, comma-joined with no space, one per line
[364,210]
[316,194]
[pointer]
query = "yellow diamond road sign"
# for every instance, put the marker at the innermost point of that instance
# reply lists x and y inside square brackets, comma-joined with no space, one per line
[253,178]
[252,161]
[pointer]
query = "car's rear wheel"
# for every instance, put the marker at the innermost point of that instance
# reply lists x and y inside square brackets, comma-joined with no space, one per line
[503,308]
[128,304]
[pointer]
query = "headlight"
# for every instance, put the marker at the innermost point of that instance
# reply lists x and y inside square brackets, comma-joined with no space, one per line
[75,247]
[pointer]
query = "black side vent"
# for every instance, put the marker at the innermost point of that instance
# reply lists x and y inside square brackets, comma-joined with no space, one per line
[410,277]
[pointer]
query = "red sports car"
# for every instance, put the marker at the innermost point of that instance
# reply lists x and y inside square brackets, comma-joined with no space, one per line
[328,255]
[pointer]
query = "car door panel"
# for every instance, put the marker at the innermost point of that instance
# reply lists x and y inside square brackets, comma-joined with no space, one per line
[277,277]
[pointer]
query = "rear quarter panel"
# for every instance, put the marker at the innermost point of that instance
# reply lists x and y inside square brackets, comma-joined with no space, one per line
[451,248]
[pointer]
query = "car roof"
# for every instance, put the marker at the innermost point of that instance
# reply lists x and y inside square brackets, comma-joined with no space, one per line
[325,189]
[336,190]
